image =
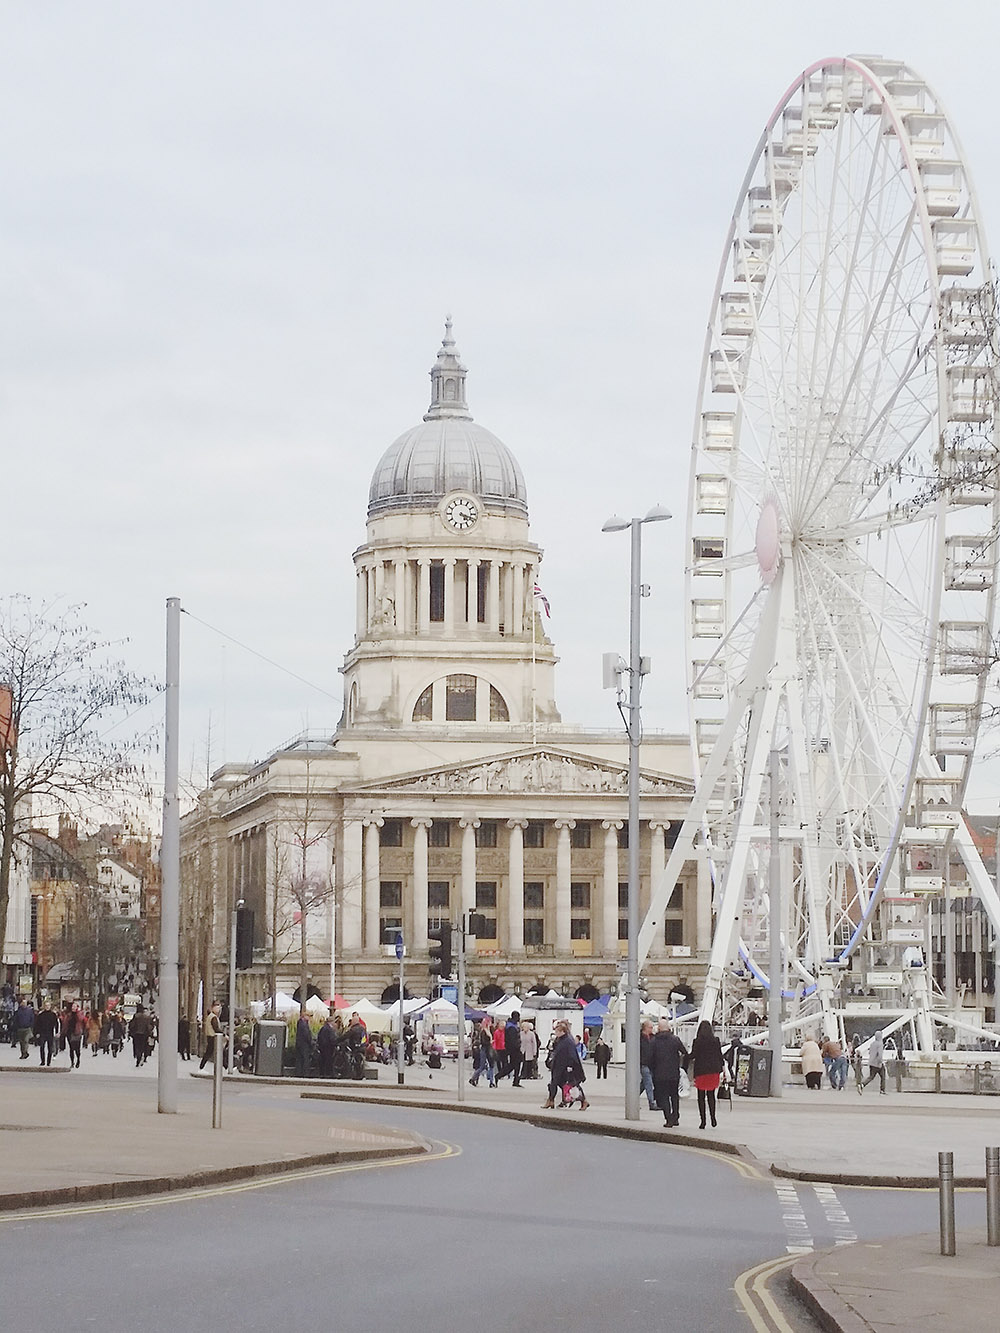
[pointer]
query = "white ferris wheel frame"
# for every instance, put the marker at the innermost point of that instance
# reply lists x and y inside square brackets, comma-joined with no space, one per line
[754,682]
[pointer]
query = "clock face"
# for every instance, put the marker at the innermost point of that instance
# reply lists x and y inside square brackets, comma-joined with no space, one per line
[461,513]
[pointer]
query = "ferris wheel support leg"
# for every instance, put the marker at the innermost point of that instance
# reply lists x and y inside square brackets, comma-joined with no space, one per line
[983,887]
[920,990]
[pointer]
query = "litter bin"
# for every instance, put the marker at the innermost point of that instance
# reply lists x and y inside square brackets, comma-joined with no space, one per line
[753,1073]
[268,1048]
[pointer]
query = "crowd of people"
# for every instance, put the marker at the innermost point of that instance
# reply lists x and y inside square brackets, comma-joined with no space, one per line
[71,1029]
[832,1059]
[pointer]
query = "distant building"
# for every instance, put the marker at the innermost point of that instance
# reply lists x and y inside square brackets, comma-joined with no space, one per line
[451,785]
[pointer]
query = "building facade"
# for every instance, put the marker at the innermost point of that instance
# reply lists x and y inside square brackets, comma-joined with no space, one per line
[451,785]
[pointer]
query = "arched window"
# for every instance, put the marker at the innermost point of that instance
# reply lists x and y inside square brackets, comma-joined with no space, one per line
[422,708]
[352,704]
[498,708]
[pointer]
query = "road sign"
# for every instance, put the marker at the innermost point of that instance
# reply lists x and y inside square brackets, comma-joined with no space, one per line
[399,945]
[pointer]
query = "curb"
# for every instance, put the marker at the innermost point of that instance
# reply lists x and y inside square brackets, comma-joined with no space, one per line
[820,1299]
[877,1181]
[578,1125]
[130,1189]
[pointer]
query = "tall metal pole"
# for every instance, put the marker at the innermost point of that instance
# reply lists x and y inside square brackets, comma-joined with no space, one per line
[774,1035]
[632,961]
[170,869]
[232,988]
[400,1077]
[460,1000]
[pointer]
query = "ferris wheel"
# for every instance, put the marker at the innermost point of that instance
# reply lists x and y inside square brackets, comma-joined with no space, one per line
[842,523]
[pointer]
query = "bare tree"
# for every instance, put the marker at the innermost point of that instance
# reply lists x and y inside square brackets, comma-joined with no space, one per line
[65,694]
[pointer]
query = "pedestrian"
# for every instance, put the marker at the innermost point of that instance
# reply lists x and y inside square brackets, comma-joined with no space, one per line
[184,1037]
[512,1047]
[876,1063]
[303,1046]
[117,1034]
[706,1068]
[105,1032]
[812,1063]
[529,1050]
[94,1033]
[836,1063]
[500,1050]
[646,1061]
[669,1054]
[213,1026]
[138,1030]
[46,1029]
[326,1046]
[565,1068]
[485,1058]
[409,1042]
[24,1025]
[74,1027]
[602,1057]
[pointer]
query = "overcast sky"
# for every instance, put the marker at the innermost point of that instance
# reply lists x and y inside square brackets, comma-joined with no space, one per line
[230,233]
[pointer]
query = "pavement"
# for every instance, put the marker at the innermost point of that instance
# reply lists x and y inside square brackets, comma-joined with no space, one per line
[68,1138]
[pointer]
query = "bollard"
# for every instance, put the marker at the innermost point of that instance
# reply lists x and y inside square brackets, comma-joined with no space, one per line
[946,1200]
[937,1077]
[217,1083]
[993,1196]
[975,1080]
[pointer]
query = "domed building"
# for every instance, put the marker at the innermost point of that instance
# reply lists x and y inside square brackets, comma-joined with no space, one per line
[451,785]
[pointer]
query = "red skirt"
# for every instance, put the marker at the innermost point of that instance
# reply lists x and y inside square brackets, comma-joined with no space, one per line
[706,1082]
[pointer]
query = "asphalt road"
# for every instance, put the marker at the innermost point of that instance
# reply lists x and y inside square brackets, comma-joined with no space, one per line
[519,1229]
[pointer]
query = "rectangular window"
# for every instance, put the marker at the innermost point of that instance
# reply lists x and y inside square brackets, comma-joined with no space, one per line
[673,931]
[390,923]
[534,834]
[677,898]
[390,893]
[391,833]
[622,897]
[623,928]
[439,893]
[439,833]
[460,699]
[436,922]
[671,833]
[436,578]
[482,585]
[534,931]
[486,894]
[580,836]
[489,928]
[579,928]
[486,833]
[579,897]
[534,897]
[623,836]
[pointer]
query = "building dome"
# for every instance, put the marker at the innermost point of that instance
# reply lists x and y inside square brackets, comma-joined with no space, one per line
[447,452]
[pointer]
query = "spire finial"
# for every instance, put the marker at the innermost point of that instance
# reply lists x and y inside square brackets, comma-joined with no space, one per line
[447,380]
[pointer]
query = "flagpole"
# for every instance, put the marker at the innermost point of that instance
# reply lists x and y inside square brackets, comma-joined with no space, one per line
[534,641]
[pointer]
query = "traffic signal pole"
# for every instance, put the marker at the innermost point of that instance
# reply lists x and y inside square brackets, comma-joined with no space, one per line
[460,1001]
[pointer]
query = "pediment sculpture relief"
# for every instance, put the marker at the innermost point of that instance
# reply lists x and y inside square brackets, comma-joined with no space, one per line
[534,773]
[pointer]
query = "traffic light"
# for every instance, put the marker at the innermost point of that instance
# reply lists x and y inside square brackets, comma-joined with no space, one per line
[477,924]
[440,951]
[244,938]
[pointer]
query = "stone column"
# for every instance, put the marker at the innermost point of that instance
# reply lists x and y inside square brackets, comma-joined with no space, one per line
[472,594]
[657,852]
[423,597]
[609,889]
[373,885]
[418,899]
[372,601]
[399,595]
[515,885]
[362,601]
[563,875]
[517,580]
[493,598]
[703,907]
[449,598]
[468,825]
[350,887]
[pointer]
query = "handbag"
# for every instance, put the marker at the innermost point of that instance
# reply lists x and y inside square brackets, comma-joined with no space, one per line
[684,1086]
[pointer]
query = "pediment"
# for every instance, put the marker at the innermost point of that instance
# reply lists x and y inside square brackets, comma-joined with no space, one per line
[547,770]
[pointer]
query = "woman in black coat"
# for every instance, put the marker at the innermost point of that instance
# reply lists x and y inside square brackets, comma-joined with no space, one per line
[706,1065]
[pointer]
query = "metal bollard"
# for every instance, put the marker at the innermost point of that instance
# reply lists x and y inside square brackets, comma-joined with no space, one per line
[217,1083]
[946,1200]
[937,1077]
[993,1196]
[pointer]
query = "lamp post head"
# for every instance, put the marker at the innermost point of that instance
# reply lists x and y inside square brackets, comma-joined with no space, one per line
[657,515]
[615,524]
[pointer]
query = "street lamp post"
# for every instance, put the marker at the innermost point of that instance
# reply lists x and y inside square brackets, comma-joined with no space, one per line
[636,670]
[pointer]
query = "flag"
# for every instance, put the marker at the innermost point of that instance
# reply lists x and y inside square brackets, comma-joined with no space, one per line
[540,597]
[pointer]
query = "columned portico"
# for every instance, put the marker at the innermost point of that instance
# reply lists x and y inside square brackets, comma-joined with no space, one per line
[372,883]
[468,877]
[609,889]
[350,887]
[515,885]
[563,877]
[418,902]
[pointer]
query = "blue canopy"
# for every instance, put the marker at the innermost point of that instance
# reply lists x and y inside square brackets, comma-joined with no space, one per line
[594,1012]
